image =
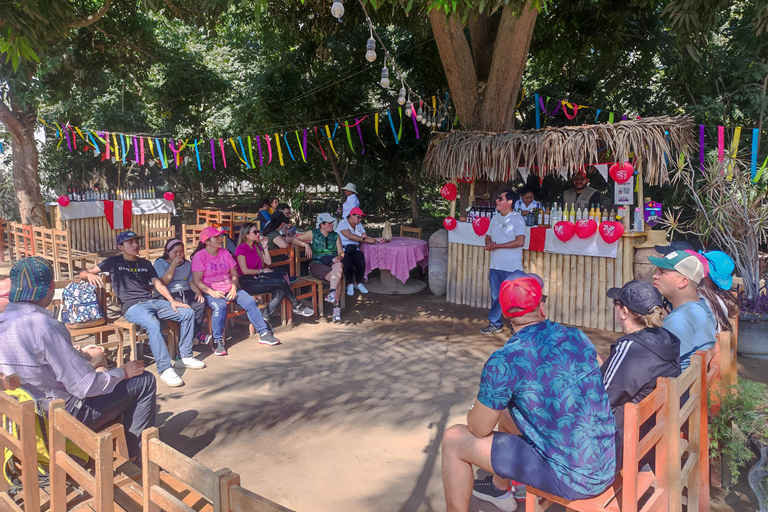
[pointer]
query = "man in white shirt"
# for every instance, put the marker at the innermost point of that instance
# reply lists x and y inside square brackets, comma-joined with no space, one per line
[505,240]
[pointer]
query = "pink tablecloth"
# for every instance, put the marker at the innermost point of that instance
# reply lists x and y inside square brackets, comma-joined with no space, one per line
[398,256]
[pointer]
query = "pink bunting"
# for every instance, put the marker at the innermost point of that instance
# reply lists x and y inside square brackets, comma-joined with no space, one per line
[223,156]
[213,155]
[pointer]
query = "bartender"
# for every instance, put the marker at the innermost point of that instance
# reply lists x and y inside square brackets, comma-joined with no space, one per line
[526,204]
[582,195]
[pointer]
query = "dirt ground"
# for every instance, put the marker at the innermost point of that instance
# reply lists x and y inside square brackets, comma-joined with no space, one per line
[349,417]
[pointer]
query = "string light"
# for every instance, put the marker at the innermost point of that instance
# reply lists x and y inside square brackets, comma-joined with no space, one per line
[419,116]
[408,108]
[337,9]
[401,97]
[370,50]
[384,75]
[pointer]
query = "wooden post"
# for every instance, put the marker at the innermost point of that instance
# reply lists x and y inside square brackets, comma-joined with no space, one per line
[453,203]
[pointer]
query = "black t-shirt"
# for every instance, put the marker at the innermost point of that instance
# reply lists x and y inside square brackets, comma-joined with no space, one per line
[130,279]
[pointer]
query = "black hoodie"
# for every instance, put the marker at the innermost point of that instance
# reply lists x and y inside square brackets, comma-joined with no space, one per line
[636,361]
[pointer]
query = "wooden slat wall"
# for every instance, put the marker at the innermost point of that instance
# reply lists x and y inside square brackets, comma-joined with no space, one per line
[575,286]
[94,234]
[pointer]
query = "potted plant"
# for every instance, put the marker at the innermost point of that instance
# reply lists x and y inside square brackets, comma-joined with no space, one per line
[732,213]
[739,431]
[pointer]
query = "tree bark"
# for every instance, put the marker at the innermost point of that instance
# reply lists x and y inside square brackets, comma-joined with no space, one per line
[26,181]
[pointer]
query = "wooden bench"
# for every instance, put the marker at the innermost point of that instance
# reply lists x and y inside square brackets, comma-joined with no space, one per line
[65,256]
[300,256]
[155,240]
[190,236]
[243,500]
[632,485]
[410,232]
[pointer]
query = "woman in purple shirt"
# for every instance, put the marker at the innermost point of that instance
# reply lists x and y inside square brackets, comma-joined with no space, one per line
[253,260]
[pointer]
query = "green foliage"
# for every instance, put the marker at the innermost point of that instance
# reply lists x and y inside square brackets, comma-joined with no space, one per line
[745,408]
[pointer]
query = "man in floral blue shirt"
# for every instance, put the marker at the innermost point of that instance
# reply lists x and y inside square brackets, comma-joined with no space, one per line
[545,391]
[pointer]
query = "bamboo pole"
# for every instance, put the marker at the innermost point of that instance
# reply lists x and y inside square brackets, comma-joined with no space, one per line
[596,262]
[453,203]
[618,279]
[449,276]
[576,272]
[565,313]
[486,283]
[610,271]
[579,306]
[601,322]
[558,284]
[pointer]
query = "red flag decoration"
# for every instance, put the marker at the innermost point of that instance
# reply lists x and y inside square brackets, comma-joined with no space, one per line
[118,214]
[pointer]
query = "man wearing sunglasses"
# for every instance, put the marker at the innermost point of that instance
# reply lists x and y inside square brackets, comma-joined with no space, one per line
[504,240]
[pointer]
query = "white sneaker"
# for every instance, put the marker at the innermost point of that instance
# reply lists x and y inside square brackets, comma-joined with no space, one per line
[170,378]
[350,289]
[361,288]
[192,363]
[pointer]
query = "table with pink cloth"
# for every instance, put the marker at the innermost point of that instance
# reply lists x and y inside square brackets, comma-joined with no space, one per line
[398,256]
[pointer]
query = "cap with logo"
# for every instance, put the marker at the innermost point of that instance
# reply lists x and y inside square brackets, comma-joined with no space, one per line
[520,290]
[683,262]
[209,232]
[638,296]
[325,217]
[31,278]
[126,235]
[356,211]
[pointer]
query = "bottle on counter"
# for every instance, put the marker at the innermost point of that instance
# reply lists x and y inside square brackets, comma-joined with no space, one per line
[540,216]
[604,215]
[639,221]
[592,214]
[579,214]
[547,216]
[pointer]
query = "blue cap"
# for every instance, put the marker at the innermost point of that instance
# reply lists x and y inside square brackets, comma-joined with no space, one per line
[126,235]
[721,267]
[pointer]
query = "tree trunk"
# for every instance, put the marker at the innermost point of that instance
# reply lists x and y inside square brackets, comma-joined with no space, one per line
[26,180]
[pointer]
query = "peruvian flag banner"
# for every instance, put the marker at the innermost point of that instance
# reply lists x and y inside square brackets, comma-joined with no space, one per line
[118,214]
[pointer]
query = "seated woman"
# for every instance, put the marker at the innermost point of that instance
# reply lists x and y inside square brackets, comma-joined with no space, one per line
[646,352]
[323,248]
[715,289]
[273,231]
[352,235]
[526,204]
[176,274]
[255,278]
[214,273]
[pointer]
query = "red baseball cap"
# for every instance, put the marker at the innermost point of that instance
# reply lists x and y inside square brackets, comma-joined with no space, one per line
[520,290]
[356,211]
[210,231]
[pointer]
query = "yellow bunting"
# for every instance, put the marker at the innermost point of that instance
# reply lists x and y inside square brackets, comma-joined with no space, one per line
[81,134]
[734,152]
[279,151]
[237,152]
[328,132]
[522,95]
[114,141]
[434,113]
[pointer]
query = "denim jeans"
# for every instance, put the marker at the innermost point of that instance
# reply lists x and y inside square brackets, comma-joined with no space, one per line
[133,399]
[496,277]
[148,315]
[219,313]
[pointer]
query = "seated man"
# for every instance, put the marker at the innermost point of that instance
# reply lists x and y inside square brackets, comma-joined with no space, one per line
[352,234]
[677,278]
[289,231]
[131,277]
[39,349]
[545,391]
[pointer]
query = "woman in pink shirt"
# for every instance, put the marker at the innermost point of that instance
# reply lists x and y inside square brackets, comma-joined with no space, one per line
[214,273]
[255,277]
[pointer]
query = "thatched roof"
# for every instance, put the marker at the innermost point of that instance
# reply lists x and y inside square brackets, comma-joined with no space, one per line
[655,141]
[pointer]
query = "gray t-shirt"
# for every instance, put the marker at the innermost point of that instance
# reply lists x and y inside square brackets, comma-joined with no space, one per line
[181,276]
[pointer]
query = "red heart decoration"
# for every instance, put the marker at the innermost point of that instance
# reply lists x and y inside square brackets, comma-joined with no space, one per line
[481,225]
[63,200]
[621,173]
[448,191]
[611,231]
[585,228]
[449,223]
[564,230]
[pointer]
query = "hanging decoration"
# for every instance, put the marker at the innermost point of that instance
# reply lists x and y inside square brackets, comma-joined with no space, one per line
[449,191]
[611,231]
[63,201]
[449,223]
[621,173]
[564,230]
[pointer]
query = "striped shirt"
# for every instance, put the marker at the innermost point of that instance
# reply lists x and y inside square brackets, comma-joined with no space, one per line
[39,349]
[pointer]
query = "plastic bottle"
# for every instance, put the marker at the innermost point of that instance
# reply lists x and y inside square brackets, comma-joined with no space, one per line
[639,221]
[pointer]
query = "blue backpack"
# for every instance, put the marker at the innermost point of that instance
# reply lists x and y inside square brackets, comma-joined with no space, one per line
[80,304]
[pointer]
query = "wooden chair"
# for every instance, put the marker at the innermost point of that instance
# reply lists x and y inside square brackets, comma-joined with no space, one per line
[20,240]
[155,240]
[302,288]
[300,257]
[65,256]
[411,232]
[243,500]
[208,216]
[4,242]
[42,240]
[626,492]
[100,332]
[99,486]
[187,482]
[710,378]
[24,417]
[190,235]
[685,450]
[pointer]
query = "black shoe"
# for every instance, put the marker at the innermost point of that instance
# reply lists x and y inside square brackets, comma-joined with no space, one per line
[490,329]
[485,491]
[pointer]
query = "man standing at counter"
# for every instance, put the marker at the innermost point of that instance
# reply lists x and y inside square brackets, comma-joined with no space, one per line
[505,240]
[582,195]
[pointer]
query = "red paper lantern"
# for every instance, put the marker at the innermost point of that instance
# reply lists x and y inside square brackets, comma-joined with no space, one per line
[169,196]
[448,191]
[564,230]
[585,228]
[611,231]
[63,201]
[449,223]
[481,225]
[621,172]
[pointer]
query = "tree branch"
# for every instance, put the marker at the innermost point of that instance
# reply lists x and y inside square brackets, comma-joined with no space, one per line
[457,63]
[482,31]
[93,18]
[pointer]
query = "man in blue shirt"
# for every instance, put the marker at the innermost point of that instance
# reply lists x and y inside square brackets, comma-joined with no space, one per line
[545,391]
[677,278]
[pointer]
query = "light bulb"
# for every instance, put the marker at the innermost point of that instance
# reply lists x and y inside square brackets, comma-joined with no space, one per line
[401,100]
[384,77]
[337,9]
[408,107]
[370,53]
[429,121]
[419,115]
